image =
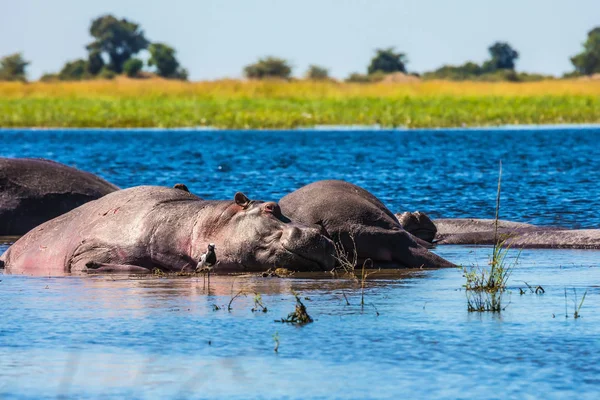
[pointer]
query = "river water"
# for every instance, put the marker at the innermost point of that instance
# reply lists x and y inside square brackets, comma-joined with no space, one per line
[121,337]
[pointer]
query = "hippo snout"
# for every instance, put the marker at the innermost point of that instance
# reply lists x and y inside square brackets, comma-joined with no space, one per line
[309,244]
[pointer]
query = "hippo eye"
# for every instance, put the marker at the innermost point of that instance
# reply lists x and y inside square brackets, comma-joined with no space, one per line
[270,208]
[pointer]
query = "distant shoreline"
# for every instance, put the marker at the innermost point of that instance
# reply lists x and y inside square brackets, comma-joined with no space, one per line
[313,105]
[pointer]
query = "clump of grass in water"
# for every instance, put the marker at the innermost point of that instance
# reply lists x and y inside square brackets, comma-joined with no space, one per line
[347,262]
[258,304]
[299,316]
[576,308]
[485,288]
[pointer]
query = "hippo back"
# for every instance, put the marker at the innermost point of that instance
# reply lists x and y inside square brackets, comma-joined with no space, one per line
[337,206]
[33,191]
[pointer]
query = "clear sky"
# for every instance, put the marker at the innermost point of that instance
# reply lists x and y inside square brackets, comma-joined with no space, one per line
[217,38]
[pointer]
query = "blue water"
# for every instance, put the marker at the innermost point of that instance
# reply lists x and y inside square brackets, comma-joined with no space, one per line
[550,176]
[119,337]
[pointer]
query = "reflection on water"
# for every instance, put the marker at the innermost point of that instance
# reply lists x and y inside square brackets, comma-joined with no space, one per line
[162,337]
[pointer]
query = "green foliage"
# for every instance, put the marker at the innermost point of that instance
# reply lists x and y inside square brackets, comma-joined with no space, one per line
[107,73]
[119,39]
[95,62]
[467,71]
[132,67]
[49,78]
[502,55]
[12,68]
[485,288]
[74,71]
[356,77]
[588,61]
[163,58]
[387,61]
[316,73]
[269,67]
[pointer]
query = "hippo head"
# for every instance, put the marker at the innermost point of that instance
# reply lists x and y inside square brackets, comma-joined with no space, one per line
[258,236]
[418,224]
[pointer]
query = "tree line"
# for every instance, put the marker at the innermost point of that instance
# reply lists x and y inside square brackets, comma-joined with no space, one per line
[112,52]
[117,42]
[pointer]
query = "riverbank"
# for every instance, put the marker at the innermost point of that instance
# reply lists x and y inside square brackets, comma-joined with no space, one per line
[125,103]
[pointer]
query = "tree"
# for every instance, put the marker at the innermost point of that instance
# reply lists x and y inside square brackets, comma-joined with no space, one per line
[269,67]
[119,39]
[317,73]
[132,67]
[74,71]
[12,68]
[95,62]
[163,58]
[388,61]
[588,61]
[503,57]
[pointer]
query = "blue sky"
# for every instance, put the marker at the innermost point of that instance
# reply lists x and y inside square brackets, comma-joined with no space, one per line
[217,38]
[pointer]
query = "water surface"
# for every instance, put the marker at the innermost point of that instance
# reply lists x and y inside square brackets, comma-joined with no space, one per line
[122,337]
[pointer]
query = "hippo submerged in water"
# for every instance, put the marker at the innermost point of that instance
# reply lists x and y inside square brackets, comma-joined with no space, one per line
[471,231]
[33,191]
[142,228]
[355,218]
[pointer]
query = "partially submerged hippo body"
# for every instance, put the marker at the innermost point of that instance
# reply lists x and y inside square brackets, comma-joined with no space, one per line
[355,218]
[147,227]
[470,231]
[33,191]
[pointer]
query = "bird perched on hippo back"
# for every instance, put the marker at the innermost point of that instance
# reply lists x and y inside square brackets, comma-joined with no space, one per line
[358,220]
[33,191]
[148,227]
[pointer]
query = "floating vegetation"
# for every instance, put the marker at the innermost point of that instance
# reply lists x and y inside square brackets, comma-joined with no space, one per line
[299,316]
[124,103]
[484,287]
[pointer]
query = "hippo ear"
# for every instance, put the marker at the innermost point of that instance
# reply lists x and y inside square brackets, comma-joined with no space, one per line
[241,199]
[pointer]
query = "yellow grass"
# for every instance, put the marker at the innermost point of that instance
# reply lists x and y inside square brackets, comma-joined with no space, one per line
[279,104]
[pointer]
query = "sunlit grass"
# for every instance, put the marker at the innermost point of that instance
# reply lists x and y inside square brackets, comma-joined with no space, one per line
[278,104]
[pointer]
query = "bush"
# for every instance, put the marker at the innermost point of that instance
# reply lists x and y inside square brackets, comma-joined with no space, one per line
[132,67]
[107,73]
[74,71]
[49,78]
[355,77]
[387,61]
[317,73]
[269,67]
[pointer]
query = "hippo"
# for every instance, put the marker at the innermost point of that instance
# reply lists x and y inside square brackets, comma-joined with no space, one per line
[357,220]
[472,231]
[33,191]
[140,229]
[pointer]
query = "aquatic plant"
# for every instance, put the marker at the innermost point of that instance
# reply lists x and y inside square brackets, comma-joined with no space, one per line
[258,304]
[299,316]
[239,293]
[485,287]
[576,308]
[268,104]
[276,340]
